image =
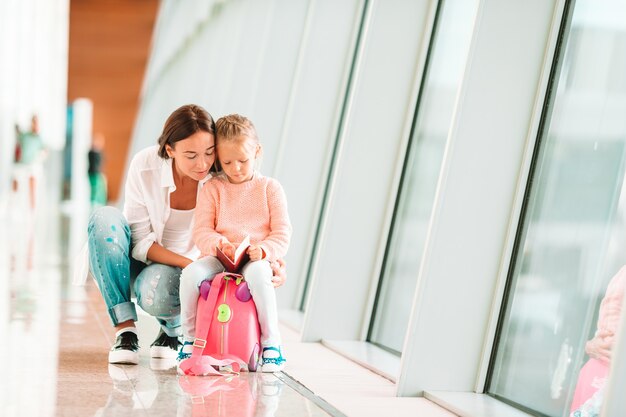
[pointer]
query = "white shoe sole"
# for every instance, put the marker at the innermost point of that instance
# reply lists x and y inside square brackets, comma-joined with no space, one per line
[163,352]
[271,367]
[160,364]
[127,357]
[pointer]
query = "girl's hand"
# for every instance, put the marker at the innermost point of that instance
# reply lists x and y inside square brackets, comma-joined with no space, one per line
[255,253]
[280,273]
[227,248]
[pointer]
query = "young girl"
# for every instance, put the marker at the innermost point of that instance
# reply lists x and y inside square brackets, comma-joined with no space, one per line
[239,202]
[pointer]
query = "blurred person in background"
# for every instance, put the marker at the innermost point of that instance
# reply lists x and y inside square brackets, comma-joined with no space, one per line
[29,155]
[97,179]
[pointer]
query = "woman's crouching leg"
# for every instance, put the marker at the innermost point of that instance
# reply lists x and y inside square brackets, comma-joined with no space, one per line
[157,291]
[109,261]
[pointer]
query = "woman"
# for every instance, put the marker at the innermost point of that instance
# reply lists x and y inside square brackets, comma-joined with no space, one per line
[150,243]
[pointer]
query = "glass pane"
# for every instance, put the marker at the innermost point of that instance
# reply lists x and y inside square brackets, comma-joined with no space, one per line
[445,69]
[573,238]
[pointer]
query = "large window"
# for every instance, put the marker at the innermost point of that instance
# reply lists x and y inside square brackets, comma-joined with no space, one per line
[573,236]
[453,32]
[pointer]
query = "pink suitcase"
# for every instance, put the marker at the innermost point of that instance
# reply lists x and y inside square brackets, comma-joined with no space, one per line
[227,328]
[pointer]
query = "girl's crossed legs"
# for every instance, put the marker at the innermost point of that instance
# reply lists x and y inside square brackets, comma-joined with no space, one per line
[258,275]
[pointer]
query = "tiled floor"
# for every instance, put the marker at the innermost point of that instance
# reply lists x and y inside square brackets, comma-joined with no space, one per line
[57,336]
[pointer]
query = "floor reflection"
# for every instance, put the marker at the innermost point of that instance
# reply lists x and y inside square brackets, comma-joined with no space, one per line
[165,393]
[22,276]
[31,270]
[244,395]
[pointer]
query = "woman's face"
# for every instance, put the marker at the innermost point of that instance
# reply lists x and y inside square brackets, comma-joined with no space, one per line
[194,155]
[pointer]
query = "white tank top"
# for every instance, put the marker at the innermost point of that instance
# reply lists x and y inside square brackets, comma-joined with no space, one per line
[177,234]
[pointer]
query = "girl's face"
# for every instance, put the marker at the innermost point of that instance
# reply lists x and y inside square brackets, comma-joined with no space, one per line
[193,156]
[237,158]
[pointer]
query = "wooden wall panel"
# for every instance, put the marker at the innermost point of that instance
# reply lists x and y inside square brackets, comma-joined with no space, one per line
[108,53]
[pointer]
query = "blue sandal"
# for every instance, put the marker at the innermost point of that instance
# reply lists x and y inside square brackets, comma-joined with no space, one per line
[273,363]
[185,353]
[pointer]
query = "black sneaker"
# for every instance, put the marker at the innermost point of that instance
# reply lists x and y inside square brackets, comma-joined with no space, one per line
[125,349]
[165,347]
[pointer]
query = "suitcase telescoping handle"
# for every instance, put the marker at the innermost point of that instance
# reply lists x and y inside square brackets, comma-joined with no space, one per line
[203,326]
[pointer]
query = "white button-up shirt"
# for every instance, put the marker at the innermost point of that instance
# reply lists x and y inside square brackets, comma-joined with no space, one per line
[149,183]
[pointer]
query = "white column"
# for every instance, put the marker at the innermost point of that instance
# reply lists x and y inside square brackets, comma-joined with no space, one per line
[80,188]
[316,91]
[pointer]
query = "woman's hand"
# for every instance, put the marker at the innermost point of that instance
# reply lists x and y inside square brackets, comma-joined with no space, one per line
[255,253]
[185,261]
[280,273]
[159,254]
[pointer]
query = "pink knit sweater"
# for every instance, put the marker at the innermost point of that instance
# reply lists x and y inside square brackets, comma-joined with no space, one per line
[257,208]
[608,318]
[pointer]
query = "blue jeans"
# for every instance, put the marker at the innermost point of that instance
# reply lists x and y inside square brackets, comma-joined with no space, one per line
[156,286]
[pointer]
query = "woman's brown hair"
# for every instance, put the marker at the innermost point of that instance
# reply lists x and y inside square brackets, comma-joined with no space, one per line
[182,123]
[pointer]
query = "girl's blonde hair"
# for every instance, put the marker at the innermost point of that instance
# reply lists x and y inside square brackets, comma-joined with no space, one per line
[236,127]
[233,127]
